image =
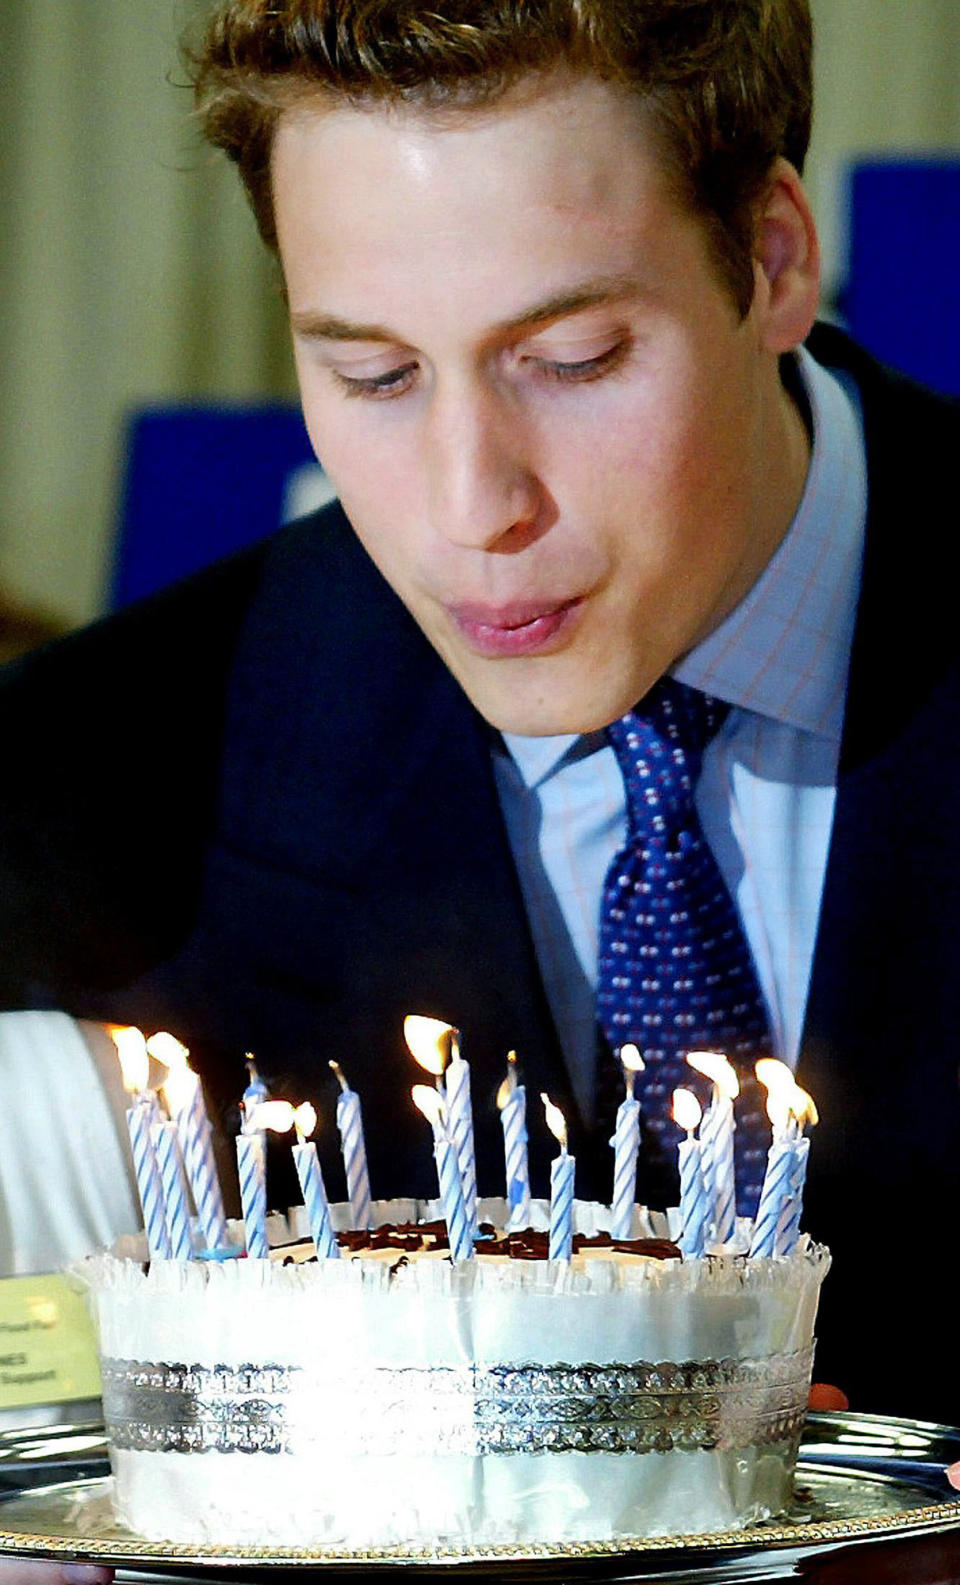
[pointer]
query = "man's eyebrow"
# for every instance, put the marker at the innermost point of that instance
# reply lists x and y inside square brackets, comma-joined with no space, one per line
[589,294]
[314,326]
[324,327]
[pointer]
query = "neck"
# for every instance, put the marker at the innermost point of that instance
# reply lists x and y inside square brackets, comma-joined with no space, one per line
[788,444]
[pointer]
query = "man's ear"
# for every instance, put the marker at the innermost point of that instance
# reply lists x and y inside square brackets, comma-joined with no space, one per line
[786,263]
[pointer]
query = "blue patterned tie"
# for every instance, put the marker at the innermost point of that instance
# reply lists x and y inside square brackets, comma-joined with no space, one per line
[675,971]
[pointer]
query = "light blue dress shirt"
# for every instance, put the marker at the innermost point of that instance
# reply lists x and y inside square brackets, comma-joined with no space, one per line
[768,784]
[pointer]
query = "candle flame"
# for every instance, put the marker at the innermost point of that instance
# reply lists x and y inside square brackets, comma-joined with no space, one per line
[341,1076]
[687,1110]
[132,1052]
[275,1115]
[429,1103]
[804,1107]
[429,1041]
[304,1120]
[778,1109]
[168,1050]
[791,1100]
[775,1076]
[509,1084]
[178,1086]
[718,1070]
[631,1058]
[556,1122]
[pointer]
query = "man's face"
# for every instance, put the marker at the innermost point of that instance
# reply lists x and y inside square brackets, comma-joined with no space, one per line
[545,419]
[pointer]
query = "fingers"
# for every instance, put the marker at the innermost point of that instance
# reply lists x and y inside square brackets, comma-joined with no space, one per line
[826,1398]
[21,1571]
[953,1476]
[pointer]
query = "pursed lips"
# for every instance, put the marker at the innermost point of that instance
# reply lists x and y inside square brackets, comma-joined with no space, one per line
[517,628]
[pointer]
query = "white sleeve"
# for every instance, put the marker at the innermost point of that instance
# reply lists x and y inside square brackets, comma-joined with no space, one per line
[66,1178]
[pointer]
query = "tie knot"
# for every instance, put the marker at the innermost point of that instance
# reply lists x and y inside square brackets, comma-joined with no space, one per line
[659,747]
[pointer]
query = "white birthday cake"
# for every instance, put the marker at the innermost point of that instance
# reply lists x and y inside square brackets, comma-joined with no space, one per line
[393,1400]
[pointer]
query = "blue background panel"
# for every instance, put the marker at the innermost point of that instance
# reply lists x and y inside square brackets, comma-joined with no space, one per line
[903,297]
[199,483]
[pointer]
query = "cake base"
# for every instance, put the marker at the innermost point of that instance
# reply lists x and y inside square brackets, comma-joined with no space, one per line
[371,1403]
[521,1499]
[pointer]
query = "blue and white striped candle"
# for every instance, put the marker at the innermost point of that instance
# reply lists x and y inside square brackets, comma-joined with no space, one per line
[255,1094]
[459,1233]
[773,1196]
[626,1148]
[456,1080]
[354,1151]
[173,1179]
[184,1099]
[252,1171]
[694,1210]
[307,1163]
[788,1226]
[512,1103]
[143,1111]
[802,1111]
[149,1185]
[716,1142]
[777,1222]
[562,1169]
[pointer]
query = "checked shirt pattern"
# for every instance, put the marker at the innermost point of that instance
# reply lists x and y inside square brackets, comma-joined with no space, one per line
[675,970]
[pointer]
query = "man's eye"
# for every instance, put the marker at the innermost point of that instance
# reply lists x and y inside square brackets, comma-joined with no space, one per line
[583,369]
[393,383]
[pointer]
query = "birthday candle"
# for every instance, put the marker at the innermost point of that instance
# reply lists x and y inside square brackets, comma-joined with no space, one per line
[149,1184]
[776,1187]
[143,1110]
[307,1163]
[254,1095]
[448,1174]
[694,1211]
[174,1184]
[776,1179]
[353,1148]
[716,1141]
[802,1111]
[185,1100]
[786,1105]
[512,1102]
[252,1170]
[626,1148]
[456,1080]
[788,1225]
[562,1168]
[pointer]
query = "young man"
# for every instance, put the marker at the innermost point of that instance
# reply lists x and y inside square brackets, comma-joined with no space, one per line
[548,268]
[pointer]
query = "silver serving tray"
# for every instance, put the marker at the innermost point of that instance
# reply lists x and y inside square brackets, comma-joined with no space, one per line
[860,1479]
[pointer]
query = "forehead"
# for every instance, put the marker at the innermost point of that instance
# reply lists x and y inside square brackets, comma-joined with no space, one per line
[556,97]
[555,170]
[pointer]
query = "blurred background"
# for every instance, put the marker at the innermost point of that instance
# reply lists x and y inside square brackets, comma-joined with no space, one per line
[131,276]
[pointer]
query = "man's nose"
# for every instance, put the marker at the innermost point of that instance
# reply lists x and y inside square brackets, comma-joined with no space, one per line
[485,491]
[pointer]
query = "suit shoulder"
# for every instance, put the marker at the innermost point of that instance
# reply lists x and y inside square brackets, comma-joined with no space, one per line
[170,649]
[895,406]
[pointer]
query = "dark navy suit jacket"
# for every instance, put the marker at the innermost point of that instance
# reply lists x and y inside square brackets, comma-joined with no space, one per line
[258,811]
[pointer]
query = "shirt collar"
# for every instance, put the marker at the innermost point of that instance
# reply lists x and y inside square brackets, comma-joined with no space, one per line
[784,651]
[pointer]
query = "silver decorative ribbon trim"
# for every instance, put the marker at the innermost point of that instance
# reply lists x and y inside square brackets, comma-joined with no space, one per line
[468,1410]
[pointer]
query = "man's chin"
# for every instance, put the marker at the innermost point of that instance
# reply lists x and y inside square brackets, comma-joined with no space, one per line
[577,689]
[543,712]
